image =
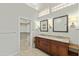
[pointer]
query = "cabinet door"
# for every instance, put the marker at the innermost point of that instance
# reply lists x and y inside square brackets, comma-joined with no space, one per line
[58,48]
[53,49]
[44,45]
[62,50]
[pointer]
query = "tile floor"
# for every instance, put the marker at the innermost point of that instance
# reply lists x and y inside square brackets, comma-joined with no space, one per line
[32,52]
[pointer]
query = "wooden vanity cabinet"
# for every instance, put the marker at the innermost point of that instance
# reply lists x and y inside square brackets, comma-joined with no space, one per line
[52,47]
[42,44]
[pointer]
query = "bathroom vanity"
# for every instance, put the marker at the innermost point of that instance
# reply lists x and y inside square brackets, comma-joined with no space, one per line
[52,45]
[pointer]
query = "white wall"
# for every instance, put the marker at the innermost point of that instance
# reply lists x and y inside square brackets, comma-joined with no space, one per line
[70,11]
[9,14]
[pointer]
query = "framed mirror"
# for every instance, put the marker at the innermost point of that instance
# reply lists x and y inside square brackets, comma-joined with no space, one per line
[44,26]
[60,24]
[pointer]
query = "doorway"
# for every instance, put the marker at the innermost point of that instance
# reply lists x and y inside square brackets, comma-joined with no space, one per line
[25,33]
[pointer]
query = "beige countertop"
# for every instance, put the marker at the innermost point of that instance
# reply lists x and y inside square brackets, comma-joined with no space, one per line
[57,38]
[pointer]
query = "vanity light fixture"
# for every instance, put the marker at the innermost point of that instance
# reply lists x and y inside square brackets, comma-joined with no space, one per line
[61,6]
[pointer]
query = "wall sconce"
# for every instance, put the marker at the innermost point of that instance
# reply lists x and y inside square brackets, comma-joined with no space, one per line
[73,21]
[73,25]
[50,23]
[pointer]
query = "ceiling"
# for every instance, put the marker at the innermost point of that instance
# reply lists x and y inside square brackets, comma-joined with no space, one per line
[41,6]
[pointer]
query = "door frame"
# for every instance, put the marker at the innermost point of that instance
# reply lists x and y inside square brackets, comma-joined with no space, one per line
[19,31]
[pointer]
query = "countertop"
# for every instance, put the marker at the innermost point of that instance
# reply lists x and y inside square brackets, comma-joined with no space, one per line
[57,38]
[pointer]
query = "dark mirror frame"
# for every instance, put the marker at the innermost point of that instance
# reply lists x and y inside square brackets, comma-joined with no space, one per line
[54,19]
[41,28]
